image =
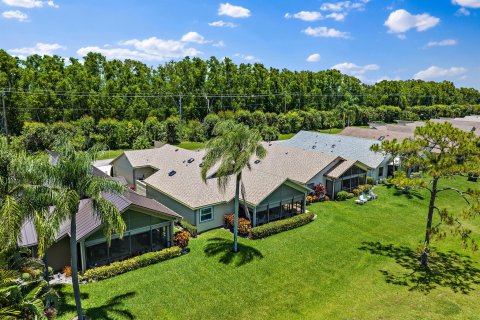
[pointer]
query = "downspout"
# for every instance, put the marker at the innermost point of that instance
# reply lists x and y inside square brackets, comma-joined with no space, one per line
[333,189]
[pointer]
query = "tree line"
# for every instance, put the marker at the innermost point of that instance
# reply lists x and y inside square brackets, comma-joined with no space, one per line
[49,89]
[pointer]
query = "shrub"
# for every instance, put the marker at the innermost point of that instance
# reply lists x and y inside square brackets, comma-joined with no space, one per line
[26,276]
[190,228]
[309,199]
[244,226]
[356,192]
[370,180]
[120,267]
[365,188]
[67,271]
[181,238]
[281,225]
[326,198]
[344,195]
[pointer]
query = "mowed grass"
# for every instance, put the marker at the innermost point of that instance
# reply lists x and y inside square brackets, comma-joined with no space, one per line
[352,262]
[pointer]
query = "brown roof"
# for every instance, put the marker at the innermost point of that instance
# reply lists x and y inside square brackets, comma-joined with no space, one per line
[375,134]
[87,220]
[341,168]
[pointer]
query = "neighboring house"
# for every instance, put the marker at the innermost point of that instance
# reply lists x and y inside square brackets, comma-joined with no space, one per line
[149,228]
[355,150]
[172,176]
[375,134]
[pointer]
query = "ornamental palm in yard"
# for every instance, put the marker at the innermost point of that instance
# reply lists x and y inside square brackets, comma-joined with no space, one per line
[72,175]
[231,149]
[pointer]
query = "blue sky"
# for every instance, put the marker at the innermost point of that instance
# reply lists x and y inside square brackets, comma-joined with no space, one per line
[370,39]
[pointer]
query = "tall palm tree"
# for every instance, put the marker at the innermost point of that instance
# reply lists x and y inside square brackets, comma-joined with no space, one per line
[72,175]
[231,149]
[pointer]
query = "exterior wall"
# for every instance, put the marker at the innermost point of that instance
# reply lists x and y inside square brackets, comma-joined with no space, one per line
[283,192]
[187,213]
[320,177]
[122,167]
[218,211]
[143,173]
[59,254]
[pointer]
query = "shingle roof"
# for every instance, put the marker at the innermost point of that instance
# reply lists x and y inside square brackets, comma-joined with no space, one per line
[187,187]
[293,163]
[87,220]
[340,169]
[374,134]
[344,146]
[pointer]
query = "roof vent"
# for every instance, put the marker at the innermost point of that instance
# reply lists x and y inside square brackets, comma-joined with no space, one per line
[172,173]
[201,164]
[190,160]
[381,138]
[257,161]
[176,150]
[474,129]
[333,146]
[286,152]
[313,147]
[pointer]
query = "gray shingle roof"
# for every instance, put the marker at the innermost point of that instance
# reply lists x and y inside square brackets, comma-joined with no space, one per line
[375,134]
[350,148]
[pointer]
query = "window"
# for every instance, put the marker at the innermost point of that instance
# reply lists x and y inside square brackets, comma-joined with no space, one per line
[206,214]
[380,172]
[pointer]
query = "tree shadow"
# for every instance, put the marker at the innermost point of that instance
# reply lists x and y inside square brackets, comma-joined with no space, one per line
[409,194]
[113,306]
[448,270]
[223,248]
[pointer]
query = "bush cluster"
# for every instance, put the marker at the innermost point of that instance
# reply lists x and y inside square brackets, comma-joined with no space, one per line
[120,267]
[275,227]
[244,225]
[344,195]
[190,228]
[181,238]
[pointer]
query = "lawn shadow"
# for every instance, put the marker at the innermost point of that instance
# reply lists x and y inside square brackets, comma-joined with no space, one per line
[448,270]
[410,194]
[223,248]
[112,306]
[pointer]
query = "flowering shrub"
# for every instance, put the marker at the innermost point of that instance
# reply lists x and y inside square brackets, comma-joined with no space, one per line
[190,228]
[365,188]
[228,221]
[67,271]
[181,238]
[120,267]
[319,190]
[356,192]
[244,226]
[309,199]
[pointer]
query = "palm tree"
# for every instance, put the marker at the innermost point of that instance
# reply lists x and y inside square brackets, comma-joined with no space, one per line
[347,109]
[72,176]
[231,149]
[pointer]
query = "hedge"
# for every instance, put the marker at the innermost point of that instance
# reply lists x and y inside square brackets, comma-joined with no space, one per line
[120,267]
[190,228]
[344,195]
[281,225]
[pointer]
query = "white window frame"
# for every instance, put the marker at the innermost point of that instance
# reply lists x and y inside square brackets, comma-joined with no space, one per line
[200,213]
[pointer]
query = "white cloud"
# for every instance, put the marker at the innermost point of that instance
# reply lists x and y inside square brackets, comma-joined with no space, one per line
[435,72]
[30,3]
[248,58]
[442,43]
[16,15]
[227,9]
[467,3]
[353,69]
[462,12]
[193,36]
[219,44]
[39,48]
[222,24]
[305,15]
[337,16]
[401,21]
[314,57]
[325,32]
[344,5]
[150,49]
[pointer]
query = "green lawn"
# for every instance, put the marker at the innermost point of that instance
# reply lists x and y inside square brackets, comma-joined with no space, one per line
[352,262]
[109,154]
[191,145]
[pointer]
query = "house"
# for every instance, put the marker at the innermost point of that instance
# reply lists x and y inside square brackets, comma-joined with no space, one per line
[172,176]
[275,187]
[349,148]
[149,228]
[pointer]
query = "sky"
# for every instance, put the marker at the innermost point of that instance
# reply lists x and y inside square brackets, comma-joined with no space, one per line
[370,39]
